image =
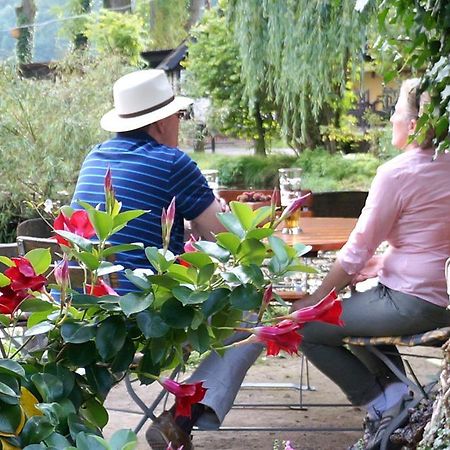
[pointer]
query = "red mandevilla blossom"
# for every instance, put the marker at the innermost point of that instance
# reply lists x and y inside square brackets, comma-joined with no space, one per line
[282,336]
[78,223]
[328,310]
[100,289]
[186,395]
[10,300]
[23,276]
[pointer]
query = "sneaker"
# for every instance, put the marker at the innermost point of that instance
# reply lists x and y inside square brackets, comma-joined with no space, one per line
[370,427]
[390,419]
[165,431]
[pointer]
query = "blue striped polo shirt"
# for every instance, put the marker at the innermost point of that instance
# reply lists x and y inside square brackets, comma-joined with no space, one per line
[145,175]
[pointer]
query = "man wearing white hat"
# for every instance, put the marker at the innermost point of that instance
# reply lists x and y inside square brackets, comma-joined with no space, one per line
[148,169]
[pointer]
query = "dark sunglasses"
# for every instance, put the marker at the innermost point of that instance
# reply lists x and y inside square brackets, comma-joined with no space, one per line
[183,114]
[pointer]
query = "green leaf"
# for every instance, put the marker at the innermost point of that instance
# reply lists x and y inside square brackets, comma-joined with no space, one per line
[302,249]
[106,346]
[196,259]
[123,440]
[35,305]
[163,281]
[81,355]
[90,442]
[90,261]
[11,367]
[188,297]
[122,248]
[244,214]
[40,328]
[213,250]
[231,223]
[102,223]
[123,218]
[40,259]
[182,274]
[40,447]
[251,251]
[8,391]
[249,274]
[79,241]
[95,412]
[6,261]
[199,338]
[78,332]
[139,279]
[245,298]
[124,357]
[106,268]
[205,274]
[279,248]
[85,205]
[217,300]
[50,387]
[301,268]
[259,233]
[4,280]
[5,320]
[56,440]
[100,380]
[151,324]
[57,413]
[36,429]
[175,314]
[10,417]
[132,303]
[229,241]
[259,215]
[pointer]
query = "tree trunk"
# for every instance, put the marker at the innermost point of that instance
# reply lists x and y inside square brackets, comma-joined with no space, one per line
[118,5]
[260,141]
[25,14]
[195,12]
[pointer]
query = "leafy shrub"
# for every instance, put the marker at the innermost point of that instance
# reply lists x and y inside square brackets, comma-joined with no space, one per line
[46,130]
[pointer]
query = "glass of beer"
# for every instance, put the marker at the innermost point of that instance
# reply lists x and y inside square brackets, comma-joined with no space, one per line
[290,189]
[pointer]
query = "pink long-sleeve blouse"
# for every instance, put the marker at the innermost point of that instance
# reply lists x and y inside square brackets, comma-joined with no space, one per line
[409,207]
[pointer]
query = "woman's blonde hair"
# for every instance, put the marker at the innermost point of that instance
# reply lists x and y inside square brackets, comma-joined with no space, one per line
[415,103]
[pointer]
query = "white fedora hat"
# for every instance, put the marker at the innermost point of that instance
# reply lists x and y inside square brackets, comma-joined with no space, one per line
[142,98]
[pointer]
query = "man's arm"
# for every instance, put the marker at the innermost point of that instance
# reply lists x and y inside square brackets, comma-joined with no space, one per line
[206,224]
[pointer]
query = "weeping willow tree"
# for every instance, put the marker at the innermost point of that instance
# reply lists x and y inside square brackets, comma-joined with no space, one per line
[300,54]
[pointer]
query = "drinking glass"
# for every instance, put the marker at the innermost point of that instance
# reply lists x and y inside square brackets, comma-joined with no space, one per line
[290,189]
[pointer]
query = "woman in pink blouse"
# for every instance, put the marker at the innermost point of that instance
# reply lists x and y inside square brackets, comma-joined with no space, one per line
[408,206]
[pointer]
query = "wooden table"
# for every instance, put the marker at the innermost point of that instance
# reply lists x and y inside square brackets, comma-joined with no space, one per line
[321,233]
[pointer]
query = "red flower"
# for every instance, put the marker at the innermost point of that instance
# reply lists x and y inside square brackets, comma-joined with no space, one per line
[100,289]
[78,223]
[185,395]
[23,276]
[10,300]
[282,336]
[328,310]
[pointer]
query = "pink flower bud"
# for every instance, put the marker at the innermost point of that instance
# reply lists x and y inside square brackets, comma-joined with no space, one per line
[188,246]
[62,272]
[296,204]
[268,295]
[108,180]
[171,213]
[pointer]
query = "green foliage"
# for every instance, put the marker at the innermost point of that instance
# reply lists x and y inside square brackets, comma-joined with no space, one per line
[54,396]
[214,71]
[112,32]
[168,19]
[297,53]
[321,171]
[46,130]
[424,47]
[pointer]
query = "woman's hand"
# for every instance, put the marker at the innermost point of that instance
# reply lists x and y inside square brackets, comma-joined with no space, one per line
[370,270]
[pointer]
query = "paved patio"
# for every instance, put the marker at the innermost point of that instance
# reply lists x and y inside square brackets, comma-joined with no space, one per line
[125,414]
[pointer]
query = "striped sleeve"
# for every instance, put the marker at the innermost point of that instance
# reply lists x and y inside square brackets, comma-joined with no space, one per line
[189,186]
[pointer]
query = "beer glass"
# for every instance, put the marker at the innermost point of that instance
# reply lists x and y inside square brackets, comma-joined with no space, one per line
[290,182]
